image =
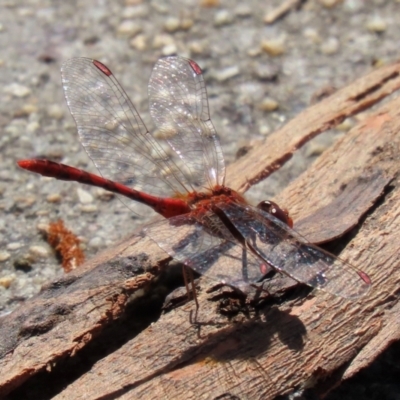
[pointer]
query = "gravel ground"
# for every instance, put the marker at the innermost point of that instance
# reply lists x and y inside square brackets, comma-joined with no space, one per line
[258,76]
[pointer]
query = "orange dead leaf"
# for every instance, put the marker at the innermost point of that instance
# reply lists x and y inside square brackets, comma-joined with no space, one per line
[66,244]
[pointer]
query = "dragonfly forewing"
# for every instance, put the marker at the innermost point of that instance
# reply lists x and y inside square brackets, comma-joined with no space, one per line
[179,108]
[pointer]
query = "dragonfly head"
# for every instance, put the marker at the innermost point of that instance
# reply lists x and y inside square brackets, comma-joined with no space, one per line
[272,208]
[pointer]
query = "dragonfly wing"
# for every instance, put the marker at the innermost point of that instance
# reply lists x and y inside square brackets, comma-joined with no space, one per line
[179,108]
[217,257]
[286,251]
[112,132]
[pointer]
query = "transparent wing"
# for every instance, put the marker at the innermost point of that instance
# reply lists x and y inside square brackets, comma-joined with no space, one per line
[286,251]
[112,132]
[216,255]
[179,108]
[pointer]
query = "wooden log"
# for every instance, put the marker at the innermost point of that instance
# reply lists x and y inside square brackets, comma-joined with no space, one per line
[250,353]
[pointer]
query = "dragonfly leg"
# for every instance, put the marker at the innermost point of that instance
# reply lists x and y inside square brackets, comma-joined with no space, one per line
[188,278]
[245,274]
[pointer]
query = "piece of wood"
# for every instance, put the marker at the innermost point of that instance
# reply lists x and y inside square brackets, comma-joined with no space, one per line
[280,145]
[286,347]
[254,355]
[346,210]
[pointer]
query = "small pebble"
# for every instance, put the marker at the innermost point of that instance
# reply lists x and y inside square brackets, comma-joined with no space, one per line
[84,196]
[269,104]
[104,195]
[186,24]
[169,49]
[55,111]
[17,90]
[96,243]
[330,46]
[25,202]
[376,24]
[227,73]
[197,47]
[346,125]
[330,3]
[209,3]
[254,51]
[353,6]
[6,281]
[162,40]
[14,246]
[43,227]
[266,71]
[13,130]
[264,130]
[243,10]
[42,213]
[89,208]
[32,127]
[315,149]
[53,198]
[139,42]
[26,110]
[25,12]
[4,256]
[160,7]
[361,116]
[223,17]
[133,2]
[313,35]
[128,28]
[138,11]
[172,24]
[273,47]
[39,251]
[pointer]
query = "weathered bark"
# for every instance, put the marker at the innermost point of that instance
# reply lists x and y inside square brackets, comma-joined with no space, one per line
[258,354]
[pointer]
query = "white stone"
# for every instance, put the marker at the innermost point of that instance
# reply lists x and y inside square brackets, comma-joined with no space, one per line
[4,256]
[17,90]
[39,251]
[84,196]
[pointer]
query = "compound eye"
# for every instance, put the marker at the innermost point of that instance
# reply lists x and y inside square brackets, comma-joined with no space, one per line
[272,208]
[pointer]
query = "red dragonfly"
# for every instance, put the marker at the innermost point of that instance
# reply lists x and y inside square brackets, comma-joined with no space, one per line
[208,226]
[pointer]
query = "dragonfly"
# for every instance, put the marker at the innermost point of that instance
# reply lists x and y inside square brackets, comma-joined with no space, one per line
[179,172]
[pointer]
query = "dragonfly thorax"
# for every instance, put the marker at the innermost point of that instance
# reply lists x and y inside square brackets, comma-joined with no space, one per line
[201,202]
